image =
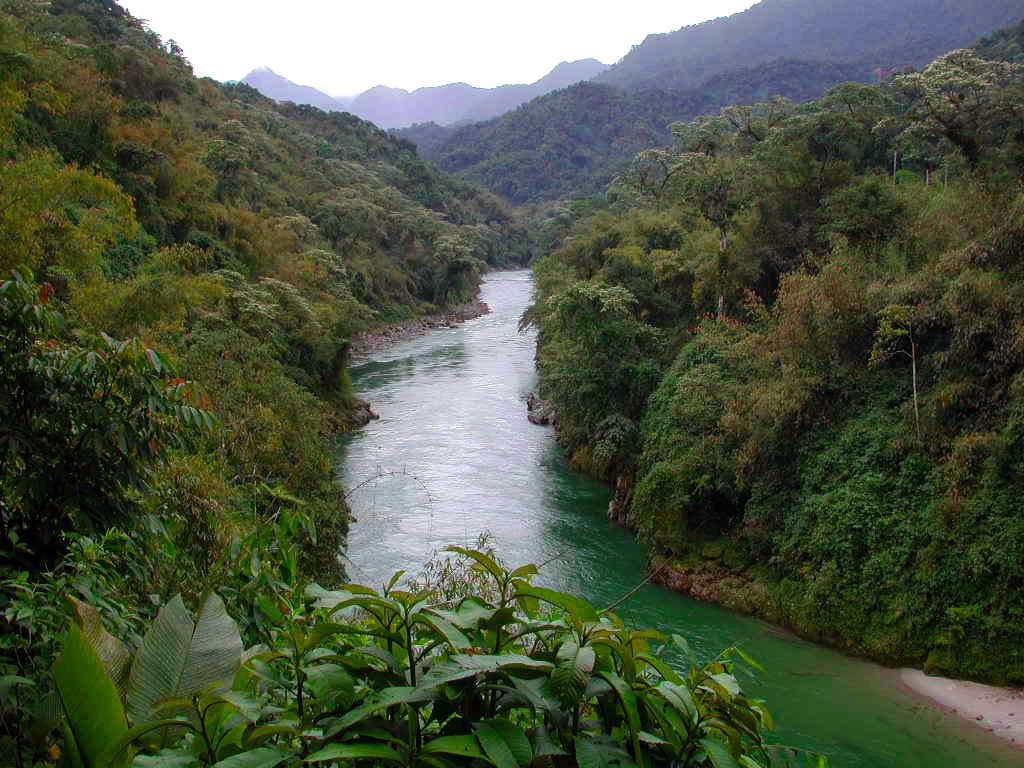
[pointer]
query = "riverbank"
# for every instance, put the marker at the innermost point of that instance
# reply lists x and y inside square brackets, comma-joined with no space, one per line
[999,711]
[996,710]
[380,338]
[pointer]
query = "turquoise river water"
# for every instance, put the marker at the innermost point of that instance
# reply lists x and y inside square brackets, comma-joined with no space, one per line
[457,457]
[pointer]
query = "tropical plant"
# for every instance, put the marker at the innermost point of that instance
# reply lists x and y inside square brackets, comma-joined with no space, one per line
[532,677]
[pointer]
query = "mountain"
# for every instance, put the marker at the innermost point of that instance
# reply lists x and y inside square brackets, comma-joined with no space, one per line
[444,104]
[574,141]
[877,33]
[1003,45]
[278,88]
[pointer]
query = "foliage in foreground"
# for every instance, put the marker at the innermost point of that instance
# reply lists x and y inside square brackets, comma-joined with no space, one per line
[530,677]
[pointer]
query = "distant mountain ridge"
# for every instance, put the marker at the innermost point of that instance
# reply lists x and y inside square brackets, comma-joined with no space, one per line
[876,33]
[444,104]
[572,142]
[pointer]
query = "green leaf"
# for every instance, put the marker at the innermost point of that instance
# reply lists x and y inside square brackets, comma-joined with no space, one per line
[719,753]
[111,652]
[601,752]
[486,562]
[382,700]
[629,705]
[332,685]
[182,658]
[263,757]
[465,665]
[572,674]
[576,606]
[504,742]
[91,703]
[678,697]
[461,746]
[544,745]
[355,752]
[444,629]
[167,758]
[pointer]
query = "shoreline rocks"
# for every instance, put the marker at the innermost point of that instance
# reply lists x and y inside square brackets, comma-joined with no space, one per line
[540,412]
[372,341]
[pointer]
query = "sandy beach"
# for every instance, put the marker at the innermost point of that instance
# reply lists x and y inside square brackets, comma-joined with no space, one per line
[997,710]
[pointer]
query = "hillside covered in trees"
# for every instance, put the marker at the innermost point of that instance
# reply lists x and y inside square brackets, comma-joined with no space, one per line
[238,245]
[574,142]
[888,34]
[804,374]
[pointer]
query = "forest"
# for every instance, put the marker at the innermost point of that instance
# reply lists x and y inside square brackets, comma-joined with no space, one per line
[790,333]
[793,342]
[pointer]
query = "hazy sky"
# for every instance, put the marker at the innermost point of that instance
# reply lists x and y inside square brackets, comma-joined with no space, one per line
[346,46]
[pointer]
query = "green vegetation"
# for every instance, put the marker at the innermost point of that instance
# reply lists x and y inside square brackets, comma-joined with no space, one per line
[525,676]
[891,34]
[769,340]
[184,265]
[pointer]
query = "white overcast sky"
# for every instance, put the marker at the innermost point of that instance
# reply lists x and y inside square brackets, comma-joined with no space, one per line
[346,46]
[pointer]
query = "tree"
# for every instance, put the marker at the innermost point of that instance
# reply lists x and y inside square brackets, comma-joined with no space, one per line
[960,97]
[895,330]
[80,424]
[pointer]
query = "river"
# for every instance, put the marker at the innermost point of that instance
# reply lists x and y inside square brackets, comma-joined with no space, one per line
[456,456]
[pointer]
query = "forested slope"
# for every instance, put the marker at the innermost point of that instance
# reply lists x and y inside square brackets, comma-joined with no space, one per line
[242,244]
[805,375]
[890,34]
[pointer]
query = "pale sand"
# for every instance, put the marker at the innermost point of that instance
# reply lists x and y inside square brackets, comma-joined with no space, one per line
[997,710]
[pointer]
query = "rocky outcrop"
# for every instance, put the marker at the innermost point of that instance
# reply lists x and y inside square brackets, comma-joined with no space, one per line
[619,506]
[371,341]
[338,419]
[540,412]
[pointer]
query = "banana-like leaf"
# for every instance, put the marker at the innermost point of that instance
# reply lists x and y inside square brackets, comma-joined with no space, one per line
[111,652]
[93,714]
[504,742]
[180,657]
[263,757]
[350,751]
[572,672]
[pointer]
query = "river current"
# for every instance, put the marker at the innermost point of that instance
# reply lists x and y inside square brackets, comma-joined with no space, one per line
[453,456]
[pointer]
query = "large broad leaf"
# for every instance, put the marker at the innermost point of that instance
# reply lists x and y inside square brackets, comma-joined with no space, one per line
[444,629]
[90,701]
[601,752]
[355,752]
[572,672]
[466,665]
[380,701]
[719,753]
[167,758]
[543,744]
[332,685]
[181,658]
[504,743]
[111,652]
[576,606]
[263,757]
[629,705]
[462,746]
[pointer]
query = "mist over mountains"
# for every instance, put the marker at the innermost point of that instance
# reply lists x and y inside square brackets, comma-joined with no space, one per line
[444,104]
